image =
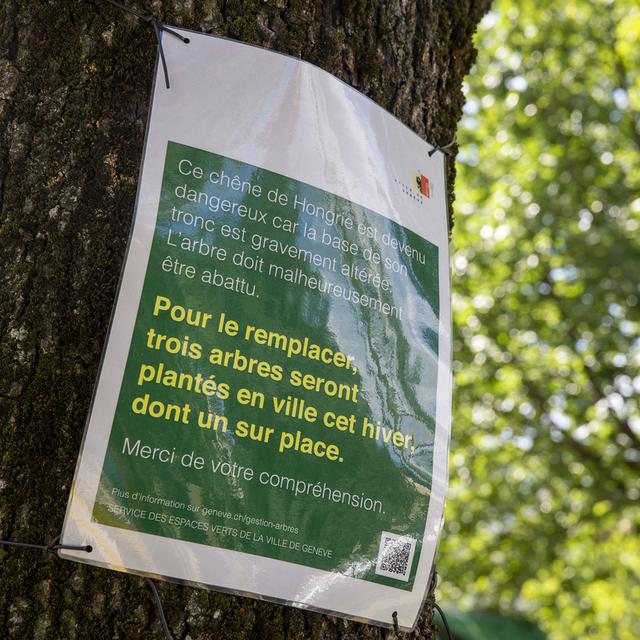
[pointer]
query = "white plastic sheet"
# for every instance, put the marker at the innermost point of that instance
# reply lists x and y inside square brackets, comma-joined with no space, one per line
[310,226]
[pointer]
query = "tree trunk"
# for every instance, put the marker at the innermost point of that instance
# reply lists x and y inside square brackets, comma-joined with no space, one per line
[75,80]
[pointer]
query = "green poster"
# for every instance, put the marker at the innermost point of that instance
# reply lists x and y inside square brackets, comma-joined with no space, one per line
[271,398]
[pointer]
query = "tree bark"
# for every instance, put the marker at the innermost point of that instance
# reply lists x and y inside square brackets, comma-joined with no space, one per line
[75,80]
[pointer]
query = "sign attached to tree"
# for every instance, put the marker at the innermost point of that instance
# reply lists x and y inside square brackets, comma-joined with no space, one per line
[272,411]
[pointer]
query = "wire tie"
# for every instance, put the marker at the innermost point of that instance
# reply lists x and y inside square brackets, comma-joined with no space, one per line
[446,149]
[396,626]
[444,619]
[434,581]
[52,547]
[158,27]
[159,609]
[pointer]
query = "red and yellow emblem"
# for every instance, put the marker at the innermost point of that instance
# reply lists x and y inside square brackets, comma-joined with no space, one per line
[422,184]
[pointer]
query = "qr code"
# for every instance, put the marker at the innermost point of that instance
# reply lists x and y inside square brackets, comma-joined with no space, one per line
[395,556]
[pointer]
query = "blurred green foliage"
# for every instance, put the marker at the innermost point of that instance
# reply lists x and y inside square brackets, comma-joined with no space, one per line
[544,510]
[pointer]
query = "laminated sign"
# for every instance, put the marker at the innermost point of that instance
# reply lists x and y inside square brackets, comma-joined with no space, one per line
[272,411]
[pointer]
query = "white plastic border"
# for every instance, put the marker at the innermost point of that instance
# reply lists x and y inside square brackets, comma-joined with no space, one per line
[290,117]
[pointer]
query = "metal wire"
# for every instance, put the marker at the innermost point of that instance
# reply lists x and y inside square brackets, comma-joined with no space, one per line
[446,149]
[51,548]
[54,545]
[444,619]
[158,27]
[433,583]
[159,609]
[133,12]
[396,627]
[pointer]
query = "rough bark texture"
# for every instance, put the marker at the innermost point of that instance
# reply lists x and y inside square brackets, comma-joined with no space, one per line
[75,80]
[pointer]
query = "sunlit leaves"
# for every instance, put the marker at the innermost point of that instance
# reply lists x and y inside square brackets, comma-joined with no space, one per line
[543,516]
